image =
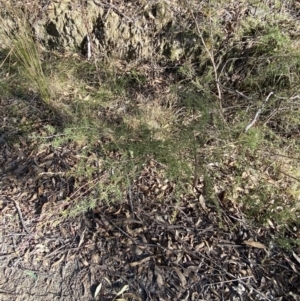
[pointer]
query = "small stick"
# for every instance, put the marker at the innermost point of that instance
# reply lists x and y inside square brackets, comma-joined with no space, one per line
[212,59]
[89,52]
[19,213]
[250,125]
[227,281]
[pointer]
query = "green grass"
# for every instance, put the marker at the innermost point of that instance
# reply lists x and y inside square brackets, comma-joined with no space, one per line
[24,50]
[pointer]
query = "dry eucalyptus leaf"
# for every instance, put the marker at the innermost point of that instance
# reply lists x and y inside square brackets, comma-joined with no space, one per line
[181,277]
[296,257]
[293,266]
[138,251]
[254,244]
[58,261]
[107,280]
[159,278]
[202,202]
[124,288]
[133,264]
[98,288]
[296,297]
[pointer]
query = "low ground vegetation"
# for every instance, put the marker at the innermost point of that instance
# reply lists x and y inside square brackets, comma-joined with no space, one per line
[221,127]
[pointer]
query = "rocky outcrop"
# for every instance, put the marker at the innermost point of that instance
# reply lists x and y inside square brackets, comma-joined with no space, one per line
[128,31]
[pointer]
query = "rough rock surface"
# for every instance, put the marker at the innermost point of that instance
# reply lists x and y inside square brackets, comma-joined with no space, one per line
[128,31]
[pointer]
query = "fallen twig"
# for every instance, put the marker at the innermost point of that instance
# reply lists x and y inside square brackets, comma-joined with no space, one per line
[250,125]
[19,213]
[228,281]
